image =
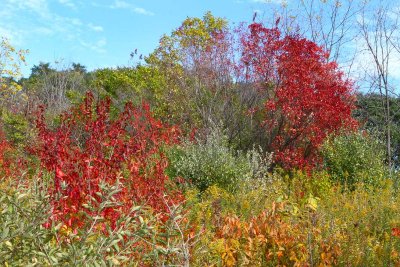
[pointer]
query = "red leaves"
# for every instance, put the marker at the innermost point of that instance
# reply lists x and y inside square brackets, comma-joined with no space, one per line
[396,232]
[4,148]
[308,96]
[11,165]
[88,149]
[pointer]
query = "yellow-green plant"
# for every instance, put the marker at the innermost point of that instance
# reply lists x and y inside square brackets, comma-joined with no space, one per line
[352,158]
[10,71]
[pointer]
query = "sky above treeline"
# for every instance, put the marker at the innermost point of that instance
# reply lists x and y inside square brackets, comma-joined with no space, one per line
[103,33]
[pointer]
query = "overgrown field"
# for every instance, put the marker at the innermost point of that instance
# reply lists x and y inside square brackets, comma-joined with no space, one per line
[244,147]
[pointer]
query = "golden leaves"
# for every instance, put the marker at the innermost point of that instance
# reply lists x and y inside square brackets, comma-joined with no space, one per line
[10,71]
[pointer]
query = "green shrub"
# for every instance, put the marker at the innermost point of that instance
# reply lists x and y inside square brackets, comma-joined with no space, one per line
[15,127]
[354,158]
[303,184]
[213,162]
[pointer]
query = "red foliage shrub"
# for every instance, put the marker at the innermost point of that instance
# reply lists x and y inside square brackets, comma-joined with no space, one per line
[396,232]
[89,148]
[4,161]
[12,165]
[308,96]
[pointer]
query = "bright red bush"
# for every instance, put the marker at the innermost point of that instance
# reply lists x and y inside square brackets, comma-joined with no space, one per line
[89,148]
[308,97]
[4,148]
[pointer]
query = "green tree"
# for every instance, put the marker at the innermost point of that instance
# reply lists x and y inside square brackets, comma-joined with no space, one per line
[77,67]
[136,84]
[194,79]
[371,114]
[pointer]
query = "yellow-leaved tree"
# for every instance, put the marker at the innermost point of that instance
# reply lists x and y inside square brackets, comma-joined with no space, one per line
[12,122]
[10,69]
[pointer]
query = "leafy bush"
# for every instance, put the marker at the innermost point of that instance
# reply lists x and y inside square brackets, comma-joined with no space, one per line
[15,127]
[214,163]
[89,149]
[10,161]
[317,183]
[27,238]
[354,158]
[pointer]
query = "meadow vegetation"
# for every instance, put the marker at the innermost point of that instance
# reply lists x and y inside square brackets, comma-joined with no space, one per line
[224,148]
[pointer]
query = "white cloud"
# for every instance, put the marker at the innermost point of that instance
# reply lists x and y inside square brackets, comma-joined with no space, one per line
[23,20]
[67,3]
[276,2]
[39,7]
[15,13]
[119,4]
[95,28]
[97,46]
[143,11]
[44,31]
[76,21]
[15,36]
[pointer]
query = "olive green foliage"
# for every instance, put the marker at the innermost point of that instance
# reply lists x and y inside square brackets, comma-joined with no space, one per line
[15,126]
[120,80]
[365,219]
[371,113]
[135,84]
[318,184]
[194,32]
[23,211]
[353,158]
[213,162]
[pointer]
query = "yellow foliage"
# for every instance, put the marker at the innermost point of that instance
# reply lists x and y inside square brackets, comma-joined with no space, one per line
[10,71]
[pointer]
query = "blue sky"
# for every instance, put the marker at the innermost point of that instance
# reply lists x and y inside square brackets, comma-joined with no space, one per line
[103,33]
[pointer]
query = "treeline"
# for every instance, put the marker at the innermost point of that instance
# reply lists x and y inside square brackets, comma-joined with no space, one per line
[59,89]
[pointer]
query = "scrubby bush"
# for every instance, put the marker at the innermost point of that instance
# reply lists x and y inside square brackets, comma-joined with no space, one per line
[16,127]
[365,219]
[317,183]
[353,158]
[213,162]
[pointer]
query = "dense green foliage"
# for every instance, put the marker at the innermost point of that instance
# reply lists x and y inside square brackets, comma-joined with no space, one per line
[370,113]
[355,158]
[215,163]
[16,127]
